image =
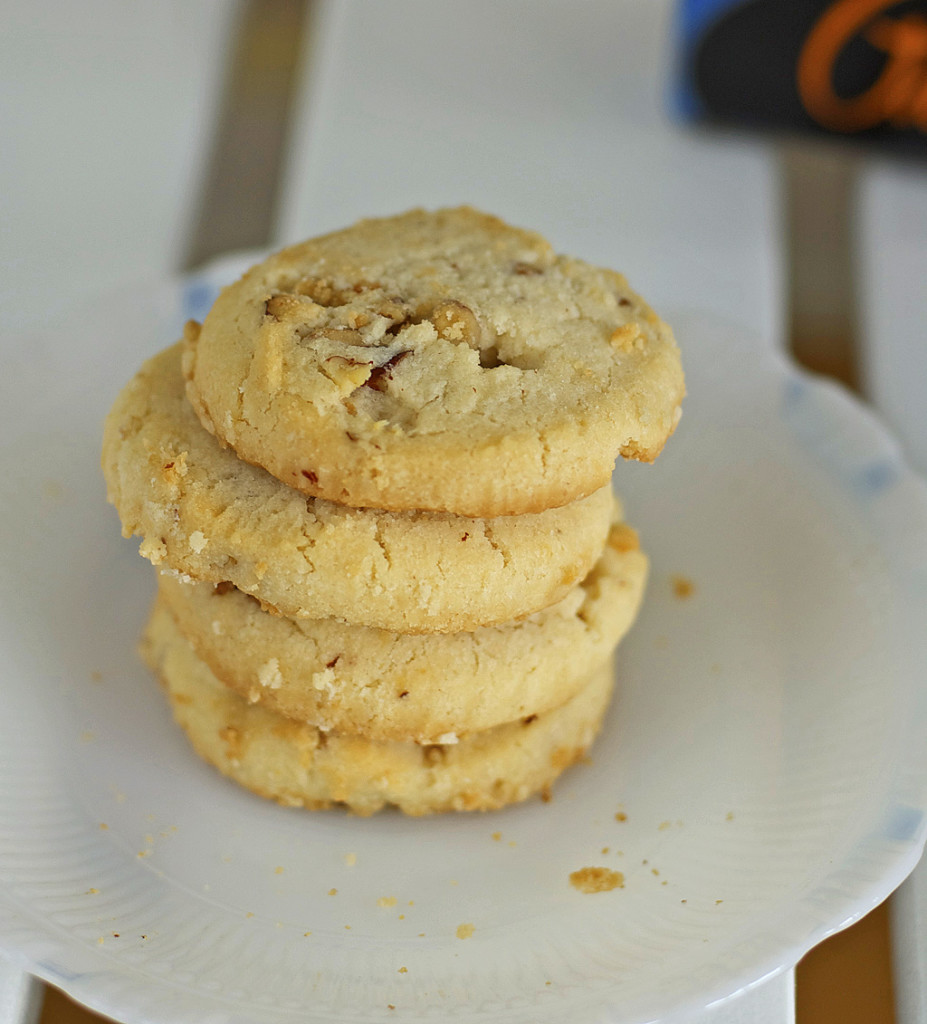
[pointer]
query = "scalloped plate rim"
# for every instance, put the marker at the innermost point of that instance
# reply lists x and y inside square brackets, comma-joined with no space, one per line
[837,404]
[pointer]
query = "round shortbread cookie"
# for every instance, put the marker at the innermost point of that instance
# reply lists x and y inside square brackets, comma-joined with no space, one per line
[298,764]
[204,513]
[395,686]
[442,361]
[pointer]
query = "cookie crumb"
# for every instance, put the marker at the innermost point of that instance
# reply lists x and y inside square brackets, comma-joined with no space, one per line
[386,901]
[664,825]
[403,970]
[306,935]
[729,816]
[464,931]
[104,827]
[324,681]
[596,880]
[350,859]
[92,892]
[497,836]
[627,338]
[197,541]
[231,737]
[606,849]
[269,674]
[621,816]
[332,892]
[683,587]
[278,870]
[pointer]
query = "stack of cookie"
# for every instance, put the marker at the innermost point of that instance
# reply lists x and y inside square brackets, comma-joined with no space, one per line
[376,485]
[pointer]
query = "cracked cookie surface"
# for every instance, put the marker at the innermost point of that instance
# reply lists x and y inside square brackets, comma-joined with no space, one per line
[204,513]
[299,765]
[435,360]
[394,686]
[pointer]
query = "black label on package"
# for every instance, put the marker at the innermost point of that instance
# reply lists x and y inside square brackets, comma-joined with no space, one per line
[852,67]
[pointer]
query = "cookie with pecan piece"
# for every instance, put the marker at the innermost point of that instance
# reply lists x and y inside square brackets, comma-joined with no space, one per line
[435,360]
[204,513]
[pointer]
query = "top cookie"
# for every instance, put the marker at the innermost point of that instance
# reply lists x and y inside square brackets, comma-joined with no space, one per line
[440,361]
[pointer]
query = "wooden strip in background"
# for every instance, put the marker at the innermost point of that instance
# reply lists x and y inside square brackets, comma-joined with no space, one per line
[60,1009]
[847,979]
[239,192]
[818,201]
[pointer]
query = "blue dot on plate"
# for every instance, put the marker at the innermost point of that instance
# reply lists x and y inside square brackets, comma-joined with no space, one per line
[877,477]
[903,823]
[198,297]
[793,393]
[50,967]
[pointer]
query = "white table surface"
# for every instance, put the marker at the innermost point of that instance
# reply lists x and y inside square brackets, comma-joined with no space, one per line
[106,110]
[552,114]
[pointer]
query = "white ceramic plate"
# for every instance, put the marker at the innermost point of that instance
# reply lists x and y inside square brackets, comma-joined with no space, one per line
[765,746]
